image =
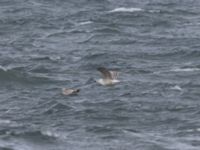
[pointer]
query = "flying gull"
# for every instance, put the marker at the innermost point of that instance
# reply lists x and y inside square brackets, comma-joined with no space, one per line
[109,77]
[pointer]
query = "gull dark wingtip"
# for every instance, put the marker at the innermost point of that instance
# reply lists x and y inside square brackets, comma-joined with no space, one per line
[100,68]
[77,90]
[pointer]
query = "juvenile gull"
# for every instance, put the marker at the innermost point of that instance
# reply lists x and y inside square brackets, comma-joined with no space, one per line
[70,91]
[109,77]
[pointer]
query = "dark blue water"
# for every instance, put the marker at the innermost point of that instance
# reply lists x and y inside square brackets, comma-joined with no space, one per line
[47,45]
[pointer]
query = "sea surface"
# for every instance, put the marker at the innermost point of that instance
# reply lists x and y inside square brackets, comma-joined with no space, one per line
[47,45]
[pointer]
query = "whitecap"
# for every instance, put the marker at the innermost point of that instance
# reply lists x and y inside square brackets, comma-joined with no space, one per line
[123,9]
[52,57]
[176,87]
[55,58]
[190,130]
[154,11]
[3,68]
[85,23]
[185,69]
[54,134]
[8,68]
[193,130]
[50,134]
[6,122]
[2,121]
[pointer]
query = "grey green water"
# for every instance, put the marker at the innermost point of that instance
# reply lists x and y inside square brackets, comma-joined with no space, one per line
[46,45]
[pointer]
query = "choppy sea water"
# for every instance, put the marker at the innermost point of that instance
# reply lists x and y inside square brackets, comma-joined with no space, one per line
[47,45]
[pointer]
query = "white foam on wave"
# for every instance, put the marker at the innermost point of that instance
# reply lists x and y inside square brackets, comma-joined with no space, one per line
[54,134]
[15,144]
[185,69]
[124,9]
[168,142]
[176,87]
[2,121]
[52,57]
[193,130]
[4,68]
[154,11]
[55,58]
[85,23]
[10,123]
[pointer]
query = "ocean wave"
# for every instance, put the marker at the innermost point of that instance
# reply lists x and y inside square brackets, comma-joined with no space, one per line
[9,123]
[33,135]
[124,9]
[40,71]
[57,34]
[176,87]
[123,41]
[8,73]
[94,56]
[19,74]
[185,69]
[195,130]
[172,54]
[47,135]
[164,141]
[58,107]
[54,134]
[31,140]
[85,22]
[52,58]
[5,147]
[154,11]
[4,68]
[106,30]
[5,121]
[93,60]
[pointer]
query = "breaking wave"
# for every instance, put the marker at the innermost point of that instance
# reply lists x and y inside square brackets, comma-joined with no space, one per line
[123,9]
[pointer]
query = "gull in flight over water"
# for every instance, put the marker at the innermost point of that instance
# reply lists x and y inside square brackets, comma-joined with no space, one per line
[109,77]
[70,91]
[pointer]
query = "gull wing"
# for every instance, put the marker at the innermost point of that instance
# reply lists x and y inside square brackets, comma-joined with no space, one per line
[114,74]
[105,72]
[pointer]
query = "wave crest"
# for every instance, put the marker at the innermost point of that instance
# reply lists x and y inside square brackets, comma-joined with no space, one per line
[185,69]
[18,74]
[124,9]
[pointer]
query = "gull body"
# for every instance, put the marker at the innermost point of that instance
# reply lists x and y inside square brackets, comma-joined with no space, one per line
[66,91]
[109,77]
[107,81]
